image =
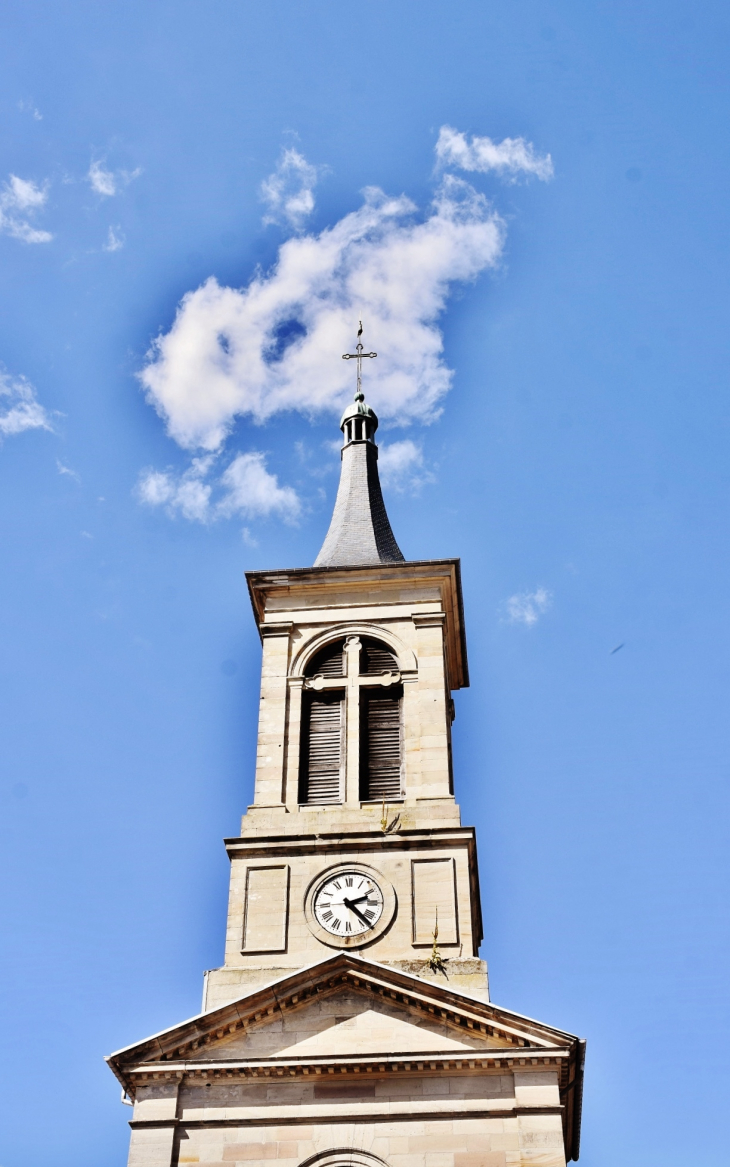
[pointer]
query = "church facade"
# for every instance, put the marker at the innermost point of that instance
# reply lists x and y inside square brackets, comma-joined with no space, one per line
[351,1023]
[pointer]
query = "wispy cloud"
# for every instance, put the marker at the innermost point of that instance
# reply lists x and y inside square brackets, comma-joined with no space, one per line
[274,345]
[28,107]
[114,240]
[511,157]
[402,466]
[102,181]
[20,409]
[66,470]
[107,182]
[20,199]
[187,494]
[288,193]
[527,607]
[245,488]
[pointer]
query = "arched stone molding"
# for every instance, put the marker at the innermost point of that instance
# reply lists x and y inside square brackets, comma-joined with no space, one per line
[344,1157]
[407,662]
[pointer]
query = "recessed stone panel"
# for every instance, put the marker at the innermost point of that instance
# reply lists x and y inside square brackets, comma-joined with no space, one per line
[434,901]
[266,909]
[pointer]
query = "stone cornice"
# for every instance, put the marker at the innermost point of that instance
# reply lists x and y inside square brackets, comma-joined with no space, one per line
[446,573]
[496,1060]
[326,843]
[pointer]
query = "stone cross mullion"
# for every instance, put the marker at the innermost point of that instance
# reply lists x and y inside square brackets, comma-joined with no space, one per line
[353,681]
[353,646]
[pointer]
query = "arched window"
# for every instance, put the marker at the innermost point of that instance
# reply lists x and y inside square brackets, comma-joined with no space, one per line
[343,1157]
[322,759]
[324,731]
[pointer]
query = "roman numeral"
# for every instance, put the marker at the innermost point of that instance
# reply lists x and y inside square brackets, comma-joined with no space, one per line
[370,915]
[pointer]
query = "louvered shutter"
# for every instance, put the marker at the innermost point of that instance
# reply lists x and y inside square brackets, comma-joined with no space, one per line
[330,662]
[380,766]
[376,658]
[322,749]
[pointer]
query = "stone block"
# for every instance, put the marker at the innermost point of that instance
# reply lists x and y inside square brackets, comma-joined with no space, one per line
[480,1159]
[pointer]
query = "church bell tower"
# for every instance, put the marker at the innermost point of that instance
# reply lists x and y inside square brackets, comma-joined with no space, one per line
[350,1022]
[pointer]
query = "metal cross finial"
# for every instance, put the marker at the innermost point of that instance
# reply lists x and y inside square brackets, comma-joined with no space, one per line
[358,356]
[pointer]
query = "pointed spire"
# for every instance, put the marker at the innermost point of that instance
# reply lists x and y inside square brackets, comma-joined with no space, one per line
[360,531]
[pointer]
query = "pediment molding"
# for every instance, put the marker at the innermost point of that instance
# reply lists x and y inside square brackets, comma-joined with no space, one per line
[175,1050]
[171,1057]
[497,1060]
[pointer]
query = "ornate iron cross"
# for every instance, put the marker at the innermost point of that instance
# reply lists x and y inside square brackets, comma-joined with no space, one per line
[358,356]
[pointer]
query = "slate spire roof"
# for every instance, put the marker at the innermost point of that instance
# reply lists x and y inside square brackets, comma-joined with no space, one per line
[360,531]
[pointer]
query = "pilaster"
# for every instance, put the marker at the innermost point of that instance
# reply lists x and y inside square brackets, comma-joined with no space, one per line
[154,1123]
[269,789]
[293,743]
[433,697]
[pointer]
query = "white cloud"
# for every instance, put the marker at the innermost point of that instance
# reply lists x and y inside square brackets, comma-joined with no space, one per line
[289,192]
[108,182]
[67,470]
[114,241]
[253,492]
[102,181]
[275,345]
[244,488]
[19,407]
[401,465]
[19,199]
[187,494]
[28,107]
[512,156]
[527,607]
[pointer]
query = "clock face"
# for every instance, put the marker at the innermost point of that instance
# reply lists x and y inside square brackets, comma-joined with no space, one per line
[349,903]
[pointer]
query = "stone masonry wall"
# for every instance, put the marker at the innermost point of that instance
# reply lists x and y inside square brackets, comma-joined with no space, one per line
[418,1121]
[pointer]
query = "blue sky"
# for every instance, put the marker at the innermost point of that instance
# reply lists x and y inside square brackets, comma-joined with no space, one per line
[569,442]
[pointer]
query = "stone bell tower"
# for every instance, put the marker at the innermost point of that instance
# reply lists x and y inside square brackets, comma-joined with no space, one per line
[350,1021]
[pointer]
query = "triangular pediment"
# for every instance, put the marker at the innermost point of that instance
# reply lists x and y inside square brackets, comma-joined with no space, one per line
[348,1021]
[375,1031]
[345,1007]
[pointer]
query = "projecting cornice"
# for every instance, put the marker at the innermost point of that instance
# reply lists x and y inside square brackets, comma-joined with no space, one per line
[277,594]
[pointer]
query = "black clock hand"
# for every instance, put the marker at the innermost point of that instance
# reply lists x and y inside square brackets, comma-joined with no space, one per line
[358,900]
[351,905]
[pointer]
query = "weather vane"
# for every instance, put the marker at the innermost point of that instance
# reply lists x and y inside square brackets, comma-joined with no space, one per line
[358,356]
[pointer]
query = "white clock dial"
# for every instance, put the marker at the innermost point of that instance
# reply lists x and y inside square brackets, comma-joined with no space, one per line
[348,904]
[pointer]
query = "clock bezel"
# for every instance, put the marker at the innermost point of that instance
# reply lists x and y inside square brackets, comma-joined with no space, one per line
[386,916]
